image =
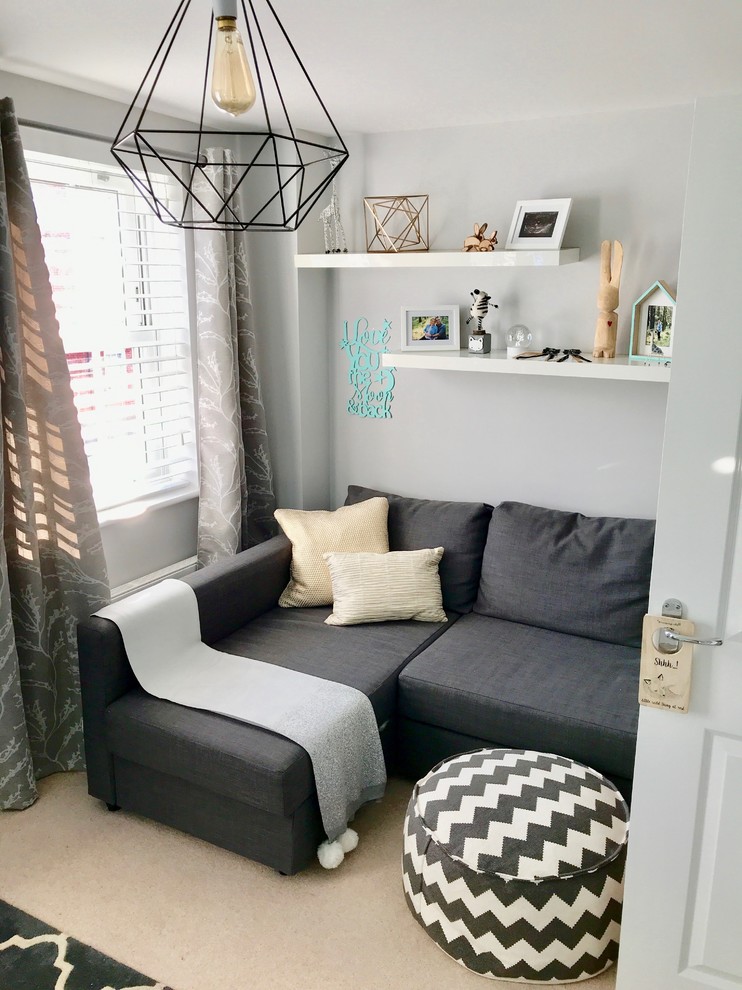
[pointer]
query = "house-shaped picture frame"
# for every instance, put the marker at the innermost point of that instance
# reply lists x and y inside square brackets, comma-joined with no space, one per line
[653,326]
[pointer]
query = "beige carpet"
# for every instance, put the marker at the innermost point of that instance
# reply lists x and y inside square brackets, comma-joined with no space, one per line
[199,918]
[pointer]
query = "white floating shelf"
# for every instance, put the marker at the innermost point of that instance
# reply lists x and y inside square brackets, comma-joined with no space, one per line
[497,362]
[442,259]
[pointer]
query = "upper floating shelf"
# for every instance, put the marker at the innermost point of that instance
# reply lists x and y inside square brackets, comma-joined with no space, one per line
[442,259]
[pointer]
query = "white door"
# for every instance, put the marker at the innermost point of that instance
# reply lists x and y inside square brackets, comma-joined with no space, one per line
[682,925]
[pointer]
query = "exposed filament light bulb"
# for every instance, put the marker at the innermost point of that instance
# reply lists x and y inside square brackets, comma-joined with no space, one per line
[232,84]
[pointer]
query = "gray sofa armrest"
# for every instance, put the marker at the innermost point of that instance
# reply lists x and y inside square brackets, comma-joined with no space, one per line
[105,675]
[230,594]
[236,590]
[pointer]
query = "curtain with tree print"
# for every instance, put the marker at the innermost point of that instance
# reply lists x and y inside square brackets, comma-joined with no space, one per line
[52,568]
[236,499]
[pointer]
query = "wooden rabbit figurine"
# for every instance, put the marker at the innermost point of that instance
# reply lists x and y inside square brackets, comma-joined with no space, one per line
[610,278]
[478,242]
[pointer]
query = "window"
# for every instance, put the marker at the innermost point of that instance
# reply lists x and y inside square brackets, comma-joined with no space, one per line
[119,285]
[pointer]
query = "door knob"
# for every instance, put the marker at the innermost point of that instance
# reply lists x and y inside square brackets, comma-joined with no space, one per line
[667,640]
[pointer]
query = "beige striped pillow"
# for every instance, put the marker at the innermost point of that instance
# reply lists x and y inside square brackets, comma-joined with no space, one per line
[376,587]
[349,528]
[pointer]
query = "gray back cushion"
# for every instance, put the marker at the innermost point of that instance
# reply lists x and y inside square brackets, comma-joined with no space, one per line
[587,576]
[459,527]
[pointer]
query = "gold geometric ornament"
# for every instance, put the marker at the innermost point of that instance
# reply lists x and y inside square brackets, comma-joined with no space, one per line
[396,223]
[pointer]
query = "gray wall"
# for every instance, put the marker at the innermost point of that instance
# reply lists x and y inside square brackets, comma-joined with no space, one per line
[595,445]
[592,445]
[291,316]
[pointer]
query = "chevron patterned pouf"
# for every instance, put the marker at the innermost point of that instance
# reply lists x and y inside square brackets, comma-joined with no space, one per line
[513,863]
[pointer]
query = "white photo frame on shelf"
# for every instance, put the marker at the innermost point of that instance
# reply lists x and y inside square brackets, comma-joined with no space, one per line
[653,325]
[430,328]
[538,224]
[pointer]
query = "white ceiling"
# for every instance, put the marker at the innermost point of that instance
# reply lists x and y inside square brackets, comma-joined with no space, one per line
[385,65]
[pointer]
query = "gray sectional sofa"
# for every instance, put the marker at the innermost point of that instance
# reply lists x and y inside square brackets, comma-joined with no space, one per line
[540,651]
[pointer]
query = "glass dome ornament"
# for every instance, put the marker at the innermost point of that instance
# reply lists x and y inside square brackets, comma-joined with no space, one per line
[518,339]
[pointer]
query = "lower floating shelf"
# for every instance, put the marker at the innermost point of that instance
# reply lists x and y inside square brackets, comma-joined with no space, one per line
[618,368]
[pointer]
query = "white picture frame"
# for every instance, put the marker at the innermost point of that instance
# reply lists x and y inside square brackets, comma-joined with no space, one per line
[653,325]
[538,224]
[416,320]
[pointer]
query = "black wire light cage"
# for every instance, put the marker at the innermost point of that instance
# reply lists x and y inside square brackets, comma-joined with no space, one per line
[263,174]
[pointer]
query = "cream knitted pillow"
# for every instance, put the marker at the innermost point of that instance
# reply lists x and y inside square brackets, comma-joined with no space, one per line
[349,528]
[377,587]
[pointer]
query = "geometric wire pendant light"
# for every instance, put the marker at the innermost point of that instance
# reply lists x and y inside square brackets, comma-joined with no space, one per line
[255,171]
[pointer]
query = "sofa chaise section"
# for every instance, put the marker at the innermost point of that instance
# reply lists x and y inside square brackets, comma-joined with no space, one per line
[231,783]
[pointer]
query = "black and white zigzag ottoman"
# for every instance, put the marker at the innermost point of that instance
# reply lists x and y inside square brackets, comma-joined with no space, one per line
[513,863]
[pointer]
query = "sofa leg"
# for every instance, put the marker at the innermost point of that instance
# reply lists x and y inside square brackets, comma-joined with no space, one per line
[113,807]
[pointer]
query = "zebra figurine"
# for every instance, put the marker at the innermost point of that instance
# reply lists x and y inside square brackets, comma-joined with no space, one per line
[479,308]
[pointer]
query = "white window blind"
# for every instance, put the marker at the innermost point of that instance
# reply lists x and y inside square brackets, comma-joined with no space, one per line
[119,284]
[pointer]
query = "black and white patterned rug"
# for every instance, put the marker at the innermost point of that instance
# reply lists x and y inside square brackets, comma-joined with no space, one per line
[34,956]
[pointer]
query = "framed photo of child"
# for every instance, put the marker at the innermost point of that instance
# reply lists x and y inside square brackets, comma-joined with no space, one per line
[434,328]
[653,326]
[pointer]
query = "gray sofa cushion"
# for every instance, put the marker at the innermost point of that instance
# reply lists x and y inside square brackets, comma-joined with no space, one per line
[459,527]
[366,657]
[586,576]
[528,688]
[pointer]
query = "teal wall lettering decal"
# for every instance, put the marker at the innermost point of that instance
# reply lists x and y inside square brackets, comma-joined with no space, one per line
[373,385]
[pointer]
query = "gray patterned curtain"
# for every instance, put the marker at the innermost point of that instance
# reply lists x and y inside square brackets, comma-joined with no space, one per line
[236,500]
[52,568]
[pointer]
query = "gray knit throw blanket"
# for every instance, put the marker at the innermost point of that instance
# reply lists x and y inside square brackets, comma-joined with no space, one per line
[334,723]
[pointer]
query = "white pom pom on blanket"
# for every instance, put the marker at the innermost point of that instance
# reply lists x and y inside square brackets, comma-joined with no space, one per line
[348,840]
[331,854]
